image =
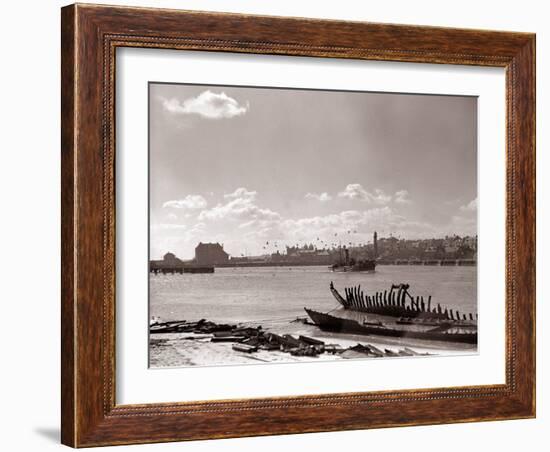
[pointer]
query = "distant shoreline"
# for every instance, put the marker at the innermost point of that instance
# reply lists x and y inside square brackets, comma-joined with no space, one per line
[397,262]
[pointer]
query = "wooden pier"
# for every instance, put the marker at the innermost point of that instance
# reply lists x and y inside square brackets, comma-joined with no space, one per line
[181,269]
[434,262]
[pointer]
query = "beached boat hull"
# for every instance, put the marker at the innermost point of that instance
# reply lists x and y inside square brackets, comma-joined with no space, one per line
[389,304]
[340,325]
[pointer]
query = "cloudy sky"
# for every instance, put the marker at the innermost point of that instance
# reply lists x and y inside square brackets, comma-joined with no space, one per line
[258,168]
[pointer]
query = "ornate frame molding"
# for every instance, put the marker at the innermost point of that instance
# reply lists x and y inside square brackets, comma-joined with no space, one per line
[90,37]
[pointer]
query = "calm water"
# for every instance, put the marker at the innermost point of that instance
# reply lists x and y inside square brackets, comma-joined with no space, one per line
[273,296]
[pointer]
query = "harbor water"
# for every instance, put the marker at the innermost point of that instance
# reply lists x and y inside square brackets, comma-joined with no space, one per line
[272,297]
[279,294]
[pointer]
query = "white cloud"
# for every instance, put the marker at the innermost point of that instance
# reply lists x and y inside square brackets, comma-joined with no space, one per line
[470,207]
[242,209]
[208,105]
[241,192]
[191,202]
[402,197]
[323,197]
[352,225]
[465,221]
[168,226]
[460,223]
[262,222]
[176,238]
[240,205]
[198,227]
[356,191]
[339,222]
[243,225]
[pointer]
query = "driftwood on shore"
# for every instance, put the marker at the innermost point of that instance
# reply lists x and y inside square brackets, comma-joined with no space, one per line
[182,326]
[248,340]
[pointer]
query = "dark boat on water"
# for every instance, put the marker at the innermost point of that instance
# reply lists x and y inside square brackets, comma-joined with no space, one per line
[347,264]
[446,331]
[367,265]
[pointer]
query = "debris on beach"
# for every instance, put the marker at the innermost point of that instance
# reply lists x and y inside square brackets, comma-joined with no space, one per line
[244,348]
[182,326]
[155,342]
[246,339]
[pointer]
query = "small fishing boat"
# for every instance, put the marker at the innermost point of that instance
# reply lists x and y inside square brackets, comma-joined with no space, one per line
[445,332]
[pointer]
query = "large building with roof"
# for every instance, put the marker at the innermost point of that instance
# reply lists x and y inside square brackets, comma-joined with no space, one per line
[210,254]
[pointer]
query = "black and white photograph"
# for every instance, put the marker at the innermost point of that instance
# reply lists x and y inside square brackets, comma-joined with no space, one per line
[302,225]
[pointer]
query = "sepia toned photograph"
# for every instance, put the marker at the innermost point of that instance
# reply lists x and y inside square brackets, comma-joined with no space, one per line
[294,225]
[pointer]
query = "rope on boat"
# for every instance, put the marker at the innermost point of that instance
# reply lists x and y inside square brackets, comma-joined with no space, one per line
[248,322]
[334,309]
[280,319]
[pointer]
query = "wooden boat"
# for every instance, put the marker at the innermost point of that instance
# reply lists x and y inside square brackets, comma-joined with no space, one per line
[444,332]
[397,302]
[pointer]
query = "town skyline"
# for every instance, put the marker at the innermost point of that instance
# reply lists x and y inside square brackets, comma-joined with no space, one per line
[448,245]
[249,167]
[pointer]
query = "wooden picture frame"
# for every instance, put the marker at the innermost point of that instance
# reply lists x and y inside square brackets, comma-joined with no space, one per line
[90,36]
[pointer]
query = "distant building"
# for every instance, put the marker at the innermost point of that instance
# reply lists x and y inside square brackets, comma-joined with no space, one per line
[211,254]
[451,249]
[171,259]
[471,242]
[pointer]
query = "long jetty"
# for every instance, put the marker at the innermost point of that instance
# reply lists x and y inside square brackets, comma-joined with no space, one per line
[181,269]
[432,262]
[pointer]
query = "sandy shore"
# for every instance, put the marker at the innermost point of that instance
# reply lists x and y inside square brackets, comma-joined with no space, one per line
[190,349]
